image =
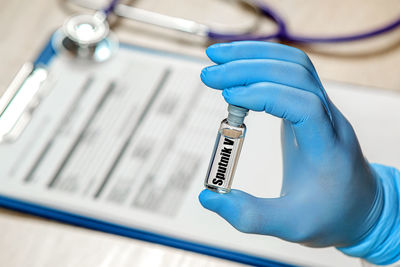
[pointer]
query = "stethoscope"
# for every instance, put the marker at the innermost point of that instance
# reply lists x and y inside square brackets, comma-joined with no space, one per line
[89,36]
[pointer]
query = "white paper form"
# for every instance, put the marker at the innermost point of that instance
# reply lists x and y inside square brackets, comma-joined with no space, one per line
[129,142]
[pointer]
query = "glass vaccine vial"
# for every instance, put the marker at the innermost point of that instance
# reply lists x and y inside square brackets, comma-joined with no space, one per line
[225,156]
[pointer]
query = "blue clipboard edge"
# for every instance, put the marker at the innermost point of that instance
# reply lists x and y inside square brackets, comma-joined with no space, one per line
[44,59]
[112,228]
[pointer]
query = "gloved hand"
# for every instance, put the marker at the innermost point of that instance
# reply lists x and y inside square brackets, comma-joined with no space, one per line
[331,196]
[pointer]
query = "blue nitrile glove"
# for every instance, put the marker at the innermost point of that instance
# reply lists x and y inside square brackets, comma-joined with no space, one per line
[331,196]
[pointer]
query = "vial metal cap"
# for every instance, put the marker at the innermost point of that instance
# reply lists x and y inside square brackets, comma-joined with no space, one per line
[236,115]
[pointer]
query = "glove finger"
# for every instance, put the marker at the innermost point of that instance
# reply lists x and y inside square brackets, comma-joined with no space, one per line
[249,214]
[304,110]
[245,72]
[225,52]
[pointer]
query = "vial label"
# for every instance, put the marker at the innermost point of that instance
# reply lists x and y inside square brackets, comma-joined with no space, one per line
[223,163]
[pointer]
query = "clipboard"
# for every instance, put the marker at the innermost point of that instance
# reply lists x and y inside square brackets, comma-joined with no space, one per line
[28,73]
[74,101]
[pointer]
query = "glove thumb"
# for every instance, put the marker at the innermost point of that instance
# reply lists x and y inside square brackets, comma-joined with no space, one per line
[249,214]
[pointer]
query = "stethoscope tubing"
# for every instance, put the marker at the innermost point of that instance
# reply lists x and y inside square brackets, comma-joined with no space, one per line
[282,34]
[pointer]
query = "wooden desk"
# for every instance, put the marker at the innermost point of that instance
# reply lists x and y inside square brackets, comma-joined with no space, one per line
[26,24]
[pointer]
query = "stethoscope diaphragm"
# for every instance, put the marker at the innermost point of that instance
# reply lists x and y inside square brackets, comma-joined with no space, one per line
[86,37]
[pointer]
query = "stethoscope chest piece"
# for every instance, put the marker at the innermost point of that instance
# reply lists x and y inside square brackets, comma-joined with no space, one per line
[86,37]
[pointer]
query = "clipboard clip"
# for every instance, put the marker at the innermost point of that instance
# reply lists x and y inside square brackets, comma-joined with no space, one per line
[20,100]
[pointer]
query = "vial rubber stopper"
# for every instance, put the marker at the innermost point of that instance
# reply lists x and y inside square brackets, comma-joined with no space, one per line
[236,115]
